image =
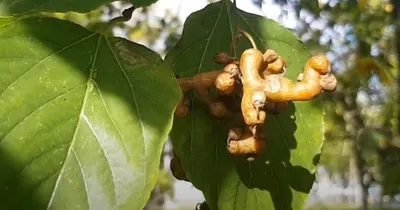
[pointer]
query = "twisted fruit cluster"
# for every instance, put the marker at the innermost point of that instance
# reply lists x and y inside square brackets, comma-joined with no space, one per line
[255,85]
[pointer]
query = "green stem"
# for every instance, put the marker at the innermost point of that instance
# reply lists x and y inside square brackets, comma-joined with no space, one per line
[249,37]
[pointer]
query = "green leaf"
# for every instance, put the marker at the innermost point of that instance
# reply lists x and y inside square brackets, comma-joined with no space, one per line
[83,120]
[311,5]
[11,7]
[282,176]
[391,180]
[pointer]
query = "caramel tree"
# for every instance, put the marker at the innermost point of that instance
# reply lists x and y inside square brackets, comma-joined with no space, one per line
[84,115]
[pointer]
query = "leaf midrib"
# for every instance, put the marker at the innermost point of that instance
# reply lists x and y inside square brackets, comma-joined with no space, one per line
[138,115]
[70,149]
[193,96]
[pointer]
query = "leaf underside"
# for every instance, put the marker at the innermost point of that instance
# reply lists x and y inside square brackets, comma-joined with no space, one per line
[82,120]
[12,7]
[282,176]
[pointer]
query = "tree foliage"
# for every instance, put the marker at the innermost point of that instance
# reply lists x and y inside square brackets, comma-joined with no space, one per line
[83,122]
[282,176]
[359,38]
[10,7]
[85,114]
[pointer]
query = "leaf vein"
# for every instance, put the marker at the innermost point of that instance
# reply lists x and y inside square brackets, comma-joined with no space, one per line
[275,182]
[187,49]
[104,152]
[46,58]
[8,23]
[113,122]
[230,23]
[236,195]
[216,157]
[281,131]
[301,119]
[78,124]
[82,174]
[53,149]
[43,180]
[254,184]
[193,97]
[137,110]
[37,109]
[200,20]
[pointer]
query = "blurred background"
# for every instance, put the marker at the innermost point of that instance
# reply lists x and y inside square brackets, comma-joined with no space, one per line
[360,162]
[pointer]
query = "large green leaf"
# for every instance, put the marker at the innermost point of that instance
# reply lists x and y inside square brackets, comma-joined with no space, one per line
[83,120]
[282,176]
[11,7]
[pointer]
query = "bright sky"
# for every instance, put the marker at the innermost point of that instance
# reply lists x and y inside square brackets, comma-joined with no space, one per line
[186,7]
[183,8]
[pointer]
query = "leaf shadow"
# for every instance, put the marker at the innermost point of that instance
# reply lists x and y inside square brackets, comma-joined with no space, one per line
[14,193]
[48,69]
[273,170]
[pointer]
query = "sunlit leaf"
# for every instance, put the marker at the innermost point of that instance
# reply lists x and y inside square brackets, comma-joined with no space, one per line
[282,176]
[83,118]
[10,7]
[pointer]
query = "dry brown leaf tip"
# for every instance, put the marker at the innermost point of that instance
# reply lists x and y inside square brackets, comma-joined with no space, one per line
[177,168]
[224,58]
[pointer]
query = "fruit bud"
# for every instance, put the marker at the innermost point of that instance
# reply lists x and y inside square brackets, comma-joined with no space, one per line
[222,58]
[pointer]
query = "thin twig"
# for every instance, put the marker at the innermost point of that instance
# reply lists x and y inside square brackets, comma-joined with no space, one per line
[238,36]
[240,32]
[234,40]
[233,44]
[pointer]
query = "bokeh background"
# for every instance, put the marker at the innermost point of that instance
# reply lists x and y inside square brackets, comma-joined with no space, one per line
[360,162]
